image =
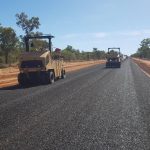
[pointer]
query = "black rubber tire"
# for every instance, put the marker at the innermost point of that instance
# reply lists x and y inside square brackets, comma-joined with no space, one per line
[63,74]
[22,80]
[119,65]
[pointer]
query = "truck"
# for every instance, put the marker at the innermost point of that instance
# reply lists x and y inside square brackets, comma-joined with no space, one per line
[38,66]
[113,58]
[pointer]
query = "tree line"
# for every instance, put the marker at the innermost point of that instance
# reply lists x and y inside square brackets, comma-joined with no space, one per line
[69,53]
[12,45]
[144,49]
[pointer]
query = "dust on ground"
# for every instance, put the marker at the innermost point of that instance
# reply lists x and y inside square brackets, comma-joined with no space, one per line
[8,76]
[144,64]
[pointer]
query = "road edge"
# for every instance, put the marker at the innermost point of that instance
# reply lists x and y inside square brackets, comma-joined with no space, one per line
[147,74]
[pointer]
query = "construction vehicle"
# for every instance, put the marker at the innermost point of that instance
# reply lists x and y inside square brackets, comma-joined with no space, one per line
[38,66]
[113,58]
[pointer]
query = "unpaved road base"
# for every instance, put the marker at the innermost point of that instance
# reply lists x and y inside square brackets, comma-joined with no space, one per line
[8,76]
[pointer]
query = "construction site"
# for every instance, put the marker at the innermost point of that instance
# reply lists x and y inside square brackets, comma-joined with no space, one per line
[75,75]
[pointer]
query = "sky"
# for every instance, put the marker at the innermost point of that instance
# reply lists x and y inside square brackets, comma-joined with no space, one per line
[85,24]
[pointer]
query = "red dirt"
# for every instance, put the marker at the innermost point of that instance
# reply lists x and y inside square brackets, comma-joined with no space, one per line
[8,76]
[144,64]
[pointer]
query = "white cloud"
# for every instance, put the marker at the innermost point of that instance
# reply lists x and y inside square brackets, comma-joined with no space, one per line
[95,35]
[99,35]
[128,40]
[70,36]
[104,35]
[135,33]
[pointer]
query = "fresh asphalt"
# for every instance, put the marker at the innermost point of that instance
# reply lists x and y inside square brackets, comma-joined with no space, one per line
[94,108]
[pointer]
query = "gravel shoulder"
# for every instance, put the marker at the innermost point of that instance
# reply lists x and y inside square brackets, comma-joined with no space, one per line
[144,64]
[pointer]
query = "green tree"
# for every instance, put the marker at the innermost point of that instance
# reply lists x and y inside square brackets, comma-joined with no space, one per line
[86,55]
[69,53]
[38,43]
[145,43]
[27,24]
[144,49]
[8,41]
[97,54]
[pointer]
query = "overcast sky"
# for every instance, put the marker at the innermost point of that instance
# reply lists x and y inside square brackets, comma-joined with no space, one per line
[85,24]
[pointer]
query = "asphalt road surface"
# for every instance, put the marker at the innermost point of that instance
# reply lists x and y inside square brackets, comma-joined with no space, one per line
[94,108]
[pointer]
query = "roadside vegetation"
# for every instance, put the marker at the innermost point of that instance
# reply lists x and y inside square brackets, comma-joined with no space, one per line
[144,49]
[11,44]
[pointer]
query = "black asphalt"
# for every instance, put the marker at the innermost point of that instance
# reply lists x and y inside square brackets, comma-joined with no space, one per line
[94,108]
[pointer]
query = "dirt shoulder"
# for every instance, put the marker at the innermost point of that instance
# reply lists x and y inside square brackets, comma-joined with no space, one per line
[144,64]
[8,76]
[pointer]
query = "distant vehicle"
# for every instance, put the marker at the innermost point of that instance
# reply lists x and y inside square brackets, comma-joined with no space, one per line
[113,58]
[39,66]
